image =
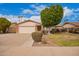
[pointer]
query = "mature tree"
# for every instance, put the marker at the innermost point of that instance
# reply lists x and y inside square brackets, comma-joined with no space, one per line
[57,13]
[44,17]
[4,24]
[51,16]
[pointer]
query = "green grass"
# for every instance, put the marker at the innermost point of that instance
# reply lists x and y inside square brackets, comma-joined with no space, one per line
[65,39]
[68,43]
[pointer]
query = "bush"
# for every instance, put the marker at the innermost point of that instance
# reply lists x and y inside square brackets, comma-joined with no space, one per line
[37,36]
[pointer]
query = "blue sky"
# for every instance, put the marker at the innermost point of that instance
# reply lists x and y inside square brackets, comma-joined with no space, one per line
[32,11]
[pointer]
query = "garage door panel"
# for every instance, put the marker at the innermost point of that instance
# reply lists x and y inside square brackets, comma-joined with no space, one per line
[26,29]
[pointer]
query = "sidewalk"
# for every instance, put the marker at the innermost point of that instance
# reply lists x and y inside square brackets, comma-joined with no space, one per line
[42,51]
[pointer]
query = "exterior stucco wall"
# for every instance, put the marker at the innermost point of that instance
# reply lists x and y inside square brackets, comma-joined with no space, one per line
[68,26]
[27,27]
[28,24]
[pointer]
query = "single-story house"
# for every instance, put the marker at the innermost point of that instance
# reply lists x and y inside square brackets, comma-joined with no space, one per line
[71,26]
[68,27]
[29,26]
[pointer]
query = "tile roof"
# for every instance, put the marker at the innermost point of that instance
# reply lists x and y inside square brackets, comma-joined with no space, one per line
[73,23]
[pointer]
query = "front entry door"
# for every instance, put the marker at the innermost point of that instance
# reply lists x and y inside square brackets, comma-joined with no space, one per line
[39,28]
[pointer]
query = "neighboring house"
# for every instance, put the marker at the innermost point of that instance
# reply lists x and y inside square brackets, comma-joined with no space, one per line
[71,26]
[59,28]
[68,27]
[29,26]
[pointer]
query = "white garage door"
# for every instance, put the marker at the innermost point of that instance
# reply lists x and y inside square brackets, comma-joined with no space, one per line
[26,29]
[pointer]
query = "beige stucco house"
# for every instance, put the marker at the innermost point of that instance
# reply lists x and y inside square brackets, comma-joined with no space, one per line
[29,26]
[68,27]
[59,27]
[71,26]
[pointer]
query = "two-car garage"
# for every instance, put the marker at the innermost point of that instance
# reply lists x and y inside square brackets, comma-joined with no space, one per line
[27,29]
[28,26]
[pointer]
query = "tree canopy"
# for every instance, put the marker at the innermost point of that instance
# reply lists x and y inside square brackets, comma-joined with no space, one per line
[51,16]
[4,24]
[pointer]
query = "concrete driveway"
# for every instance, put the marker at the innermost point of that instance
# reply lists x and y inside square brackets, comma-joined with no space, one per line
[9,41]
[13,40]
[21,45]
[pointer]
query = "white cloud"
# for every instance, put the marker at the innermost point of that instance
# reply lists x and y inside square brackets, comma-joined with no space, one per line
[32,12]
[35,18]
[27,11]
[36,9]
[11,18]
[39,7]
[67,11]
[71,14]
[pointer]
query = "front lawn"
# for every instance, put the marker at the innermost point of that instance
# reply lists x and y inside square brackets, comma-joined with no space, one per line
[64,39]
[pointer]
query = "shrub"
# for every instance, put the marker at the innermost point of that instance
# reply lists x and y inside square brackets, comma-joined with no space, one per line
[37,36]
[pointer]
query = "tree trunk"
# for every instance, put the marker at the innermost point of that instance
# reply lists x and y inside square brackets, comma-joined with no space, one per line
[55,30]
[49,30]
[4,31]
